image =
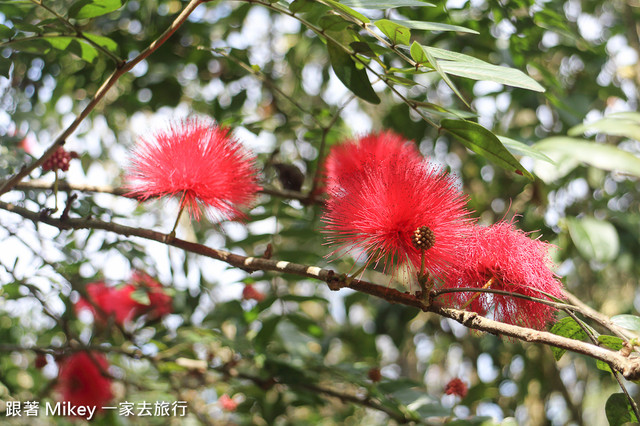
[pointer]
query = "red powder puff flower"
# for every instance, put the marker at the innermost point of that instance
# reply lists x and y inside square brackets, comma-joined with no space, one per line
[357,155]
[504,258]
[456,387]
[198,162]
[227,403]
[159,302]
[109,302]
[250,293]
[81,380]
[394,210]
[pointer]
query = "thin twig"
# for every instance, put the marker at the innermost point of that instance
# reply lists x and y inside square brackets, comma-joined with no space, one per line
[122,192]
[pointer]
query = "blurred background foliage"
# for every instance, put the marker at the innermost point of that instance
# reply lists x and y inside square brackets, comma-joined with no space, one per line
[292,358]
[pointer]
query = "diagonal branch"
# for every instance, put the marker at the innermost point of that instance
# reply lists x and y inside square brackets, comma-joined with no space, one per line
[97,97]
[628,366]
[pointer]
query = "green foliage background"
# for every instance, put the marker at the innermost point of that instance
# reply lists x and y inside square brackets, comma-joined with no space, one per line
[252,66]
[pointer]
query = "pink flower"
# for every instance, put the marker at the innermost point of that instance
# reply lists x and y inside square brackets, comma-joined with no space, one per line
[113,302]
[358,155]
[159,302]
[502,257]
[390,208]
[456,387]
[59,160]
[81,380]
[227,403]
[198,162]
[250,293]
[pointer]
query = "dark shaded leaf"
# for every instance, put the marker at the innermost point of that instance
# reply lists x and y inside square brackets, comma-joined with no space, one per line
[567,327]
[482,141]
[354,78]
[618,410]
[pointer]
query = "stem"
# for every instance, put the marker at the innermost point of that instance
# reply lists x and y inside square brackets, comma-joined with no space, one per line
[475,296]
[55,189]
[172,234]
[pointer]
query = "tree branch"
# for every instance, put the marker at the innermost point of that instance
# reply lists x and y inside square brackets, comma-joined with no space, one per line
[628,366]
[97,97]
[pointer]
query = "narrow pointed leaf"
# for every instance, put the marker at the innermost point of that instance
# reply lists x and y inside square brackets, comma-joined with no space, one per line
[345,9]
[625,124]
[519,148]
[422,55]
[482,141]
[433,26]
[602,156]
[385,4]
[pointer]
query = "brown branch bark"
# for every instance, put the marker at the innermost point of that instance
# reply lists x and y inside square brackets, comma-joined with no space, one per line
[628,366]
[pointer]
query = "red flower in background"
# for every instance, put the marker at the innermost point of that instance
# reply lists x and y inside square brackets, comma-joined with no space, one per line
[81,380]
[250,293]
[227,403]
[160,303]
[358,155]
[198,162]
[113,302]
[381,208]
[456,387]
[118,301]
[502,257]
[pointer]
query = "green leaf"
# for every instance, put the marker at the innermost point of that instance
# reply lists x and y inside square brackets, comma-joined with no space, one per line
[354,78]
[334,23]
[60,43]
[85,9]
[422,55]
[467,66]
[482,141]
[595,239]
[82,49]
[141,296]
[397,33]
[433,26]
[6,32]
[611,342]
[630,322]
[103,41]
[567,327]
[517,147]
[418,53]
[381,4]
[345,9]
[625,124]
[11,290]
[601,156]
[618,410]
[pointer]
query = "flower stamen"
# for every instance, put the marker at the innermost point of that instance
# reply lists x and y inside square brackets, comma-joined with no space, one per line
[423,238]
